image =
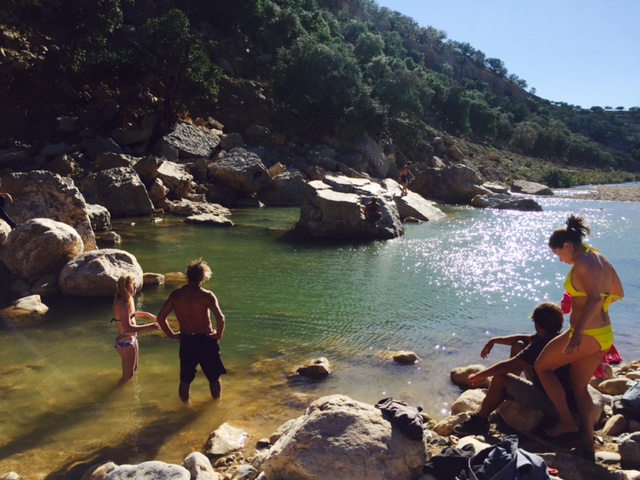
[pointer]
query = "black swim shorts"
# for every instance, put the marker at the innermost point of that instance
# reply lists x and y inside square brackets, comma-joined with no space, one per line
[200,349]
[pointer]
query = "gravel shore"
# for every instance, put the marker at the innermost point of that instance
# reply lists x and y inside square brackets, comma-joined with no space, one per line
[614,193]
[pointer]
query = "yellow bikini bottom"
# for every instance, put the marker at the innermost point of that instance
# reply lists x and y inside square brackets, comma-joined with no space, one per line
[603,335]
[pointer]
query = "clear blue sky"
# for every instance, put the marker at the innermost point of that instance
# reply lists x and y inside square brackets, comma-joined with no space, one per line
[582,52]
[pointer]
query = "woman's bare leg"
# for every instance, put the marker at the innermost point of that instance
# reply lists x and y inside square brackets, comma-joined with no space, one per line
[552,358]
[135,363]
[128,355]
[583,364]
[581,372]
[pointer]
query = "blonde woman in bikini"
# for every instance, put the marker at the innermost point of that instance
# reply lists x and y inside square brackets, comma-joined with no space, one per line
[125,315]
[594,285]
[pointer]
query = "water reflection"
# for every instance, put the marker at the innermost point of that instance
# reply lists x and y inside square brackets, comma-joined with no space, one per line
[440,291]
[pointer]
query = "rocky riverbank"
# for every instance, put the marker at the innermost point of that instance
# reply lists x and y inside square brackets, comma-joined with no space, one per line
[337,437]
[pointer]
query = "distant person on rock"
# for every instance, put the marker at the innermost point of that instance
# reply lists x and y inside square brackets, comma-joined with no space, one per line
[507,382]
[3,214]
[372,211]
[198,339]
[405,177]
[125,315]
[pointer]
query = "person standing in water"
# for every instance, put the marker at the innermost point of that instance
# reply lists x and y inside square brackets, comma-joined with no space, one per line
[125,315]
[198,339]
[593,285]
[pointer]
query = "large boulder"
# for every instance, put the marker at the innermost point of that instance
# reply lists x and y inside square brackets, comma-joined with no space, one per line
[188,141]
[42,194]
[412,205]
[506,201]
[188,208]
[99,217]
[376,161]
[240,170]
[176,178]
[520,417]
[456,184]
[40,246]
[326,212]
[339,438]
[286,189]
[105,161]
[120,190]
[147,169]
[530,188]
[93,147]
[95,274]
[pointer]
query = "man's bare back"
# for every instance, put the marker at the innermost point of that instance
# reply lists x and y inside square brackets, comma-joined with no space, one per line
[192,305]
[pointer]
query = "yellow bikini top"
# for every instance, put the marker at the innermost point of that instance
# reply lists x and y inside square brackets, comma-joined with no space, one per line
[568,285]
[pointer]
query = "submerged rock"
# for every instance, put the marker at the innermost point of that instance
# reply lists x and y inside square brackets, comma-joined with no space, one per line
[505,201]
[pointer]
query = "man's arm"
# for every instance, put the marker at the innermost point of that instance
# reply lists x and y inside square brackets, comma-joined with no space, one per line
[508,340]
[162,319]
[512,365]
[214,307]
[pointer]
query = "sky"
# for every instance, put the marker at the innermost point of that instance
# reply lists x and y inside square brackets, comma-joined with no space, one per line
[581,52]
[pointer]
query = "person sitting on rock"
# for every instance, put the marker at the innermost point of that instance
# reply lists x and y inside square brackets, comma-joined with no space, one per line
[3,214]
[372,211]
[525,349]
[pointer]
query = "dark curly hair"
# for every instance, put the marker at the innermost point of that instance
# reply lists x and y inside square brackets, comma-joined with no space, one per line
[549,317]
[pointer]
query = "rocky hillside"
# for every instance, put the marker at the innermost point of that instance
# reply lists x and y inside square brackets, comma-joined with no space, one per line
[325,76]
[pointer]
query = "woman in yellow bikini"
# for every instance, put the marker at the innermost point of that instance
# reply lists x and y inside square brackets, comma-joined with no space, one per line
[124,314]
[594,285]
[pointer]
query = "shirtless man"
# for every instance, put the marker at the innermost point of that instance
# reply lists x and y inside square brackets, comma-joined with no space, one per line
[405,177]
[198,339]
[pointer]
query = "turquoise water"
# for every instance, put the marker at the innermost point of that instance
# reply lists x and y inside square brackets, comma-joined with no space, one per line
[440,291]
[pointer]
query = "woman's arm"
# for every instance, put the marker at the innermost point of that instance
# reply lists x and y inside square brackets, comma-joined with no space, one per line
[616,287]
[130,326]
[148,315]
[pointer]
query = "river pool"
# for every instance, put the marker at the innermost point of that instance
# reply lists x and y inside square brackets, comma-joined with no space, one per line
[441,290]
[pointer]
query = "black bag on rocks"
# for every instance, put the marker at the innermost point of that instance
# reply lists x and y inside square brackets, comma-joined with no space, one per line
[505,461]
[407,418]
[451,463]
